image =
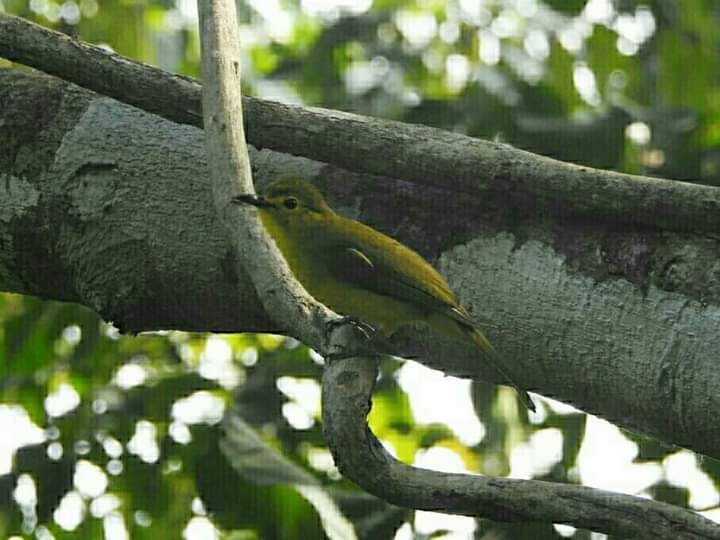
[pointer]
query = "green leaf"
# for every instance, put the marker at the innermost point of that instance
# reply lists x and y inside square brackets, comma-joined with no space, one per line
[568,7]
[154,401]
[29,341]
[670,494]
[372,517]
[257,462]
[649,448]
[573,431]
[275,511]
[53,479]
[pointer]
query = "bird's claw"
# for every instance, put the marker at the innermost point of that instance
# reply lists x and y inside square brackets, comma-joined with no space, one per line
[339,355]
[367,331]
[364,328]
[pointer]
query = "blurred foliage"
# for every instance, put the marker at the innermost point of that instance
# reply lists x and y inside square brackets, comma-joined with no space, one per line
[113,433]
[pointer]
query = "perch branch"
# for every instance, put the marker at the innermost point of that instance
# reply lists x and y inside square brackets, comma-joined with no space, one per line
[281,295]
[346,389]
[414,153]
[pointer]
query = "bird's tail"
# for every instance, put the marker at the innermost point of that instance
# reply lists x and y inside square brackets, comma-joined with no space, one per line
[496,361]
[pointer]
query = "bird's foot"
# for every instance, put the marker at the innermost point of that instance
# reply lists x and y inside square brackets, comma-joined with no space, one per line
[363,329]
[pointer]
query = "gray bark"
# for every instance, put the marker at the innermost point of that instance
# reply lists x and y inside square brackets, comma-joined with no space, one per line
[108,206]
[362,458]
[419,154]
[279,292]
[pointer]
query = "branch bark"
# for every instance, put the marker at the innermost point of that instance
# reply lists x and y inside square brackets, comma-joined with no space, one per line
[347,386]
[281,295]
[111,207]
[585,507]
[629,304]
[24,200]
[423,155]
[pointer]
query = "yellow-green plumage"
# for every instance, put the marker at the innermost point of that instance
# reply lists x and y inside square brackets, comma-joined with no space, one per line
[360,272]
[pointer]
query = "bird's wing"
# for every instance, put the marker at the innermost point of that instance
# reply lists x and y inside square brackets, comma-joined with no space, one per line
[380,264]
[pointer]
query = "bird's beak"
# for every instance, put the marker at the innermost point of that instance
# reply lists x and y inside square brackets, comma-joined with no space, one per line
[252,199]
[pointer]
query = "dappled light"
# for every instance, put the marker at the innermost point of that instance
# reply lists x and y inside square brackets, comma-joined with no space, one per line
[185,434]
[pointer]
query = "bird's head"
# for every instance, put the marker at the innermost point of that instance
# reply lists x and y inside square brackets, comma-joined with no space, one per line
[287,199]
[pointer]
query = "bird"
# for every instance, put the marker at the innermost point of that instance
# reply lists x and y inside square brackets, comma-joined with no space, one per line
[361,273]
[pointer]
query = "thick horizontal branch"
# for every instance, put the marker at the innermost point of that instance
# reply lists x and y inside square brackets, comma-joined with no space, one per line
[493,171]
[347,386]
[106,205]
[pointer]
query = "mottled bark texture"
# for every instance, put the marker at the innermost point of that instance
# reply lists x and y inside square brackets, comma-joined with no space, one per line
[111,207]
[418,154]
[230,171]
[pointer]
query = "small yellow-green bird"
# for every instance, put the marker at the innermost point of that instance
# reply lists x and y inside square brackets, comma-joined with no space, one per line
[359,272]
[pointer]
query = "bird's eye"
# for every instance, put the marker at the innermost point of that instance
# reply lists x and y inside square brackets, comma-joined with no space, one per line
[290,203]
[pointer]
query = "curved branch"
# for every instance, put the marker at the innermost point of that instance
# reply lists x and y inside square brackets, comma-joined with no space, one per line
[281,295]
[501,499]
[345,397]
[346,389]
[115,205]
[415,153]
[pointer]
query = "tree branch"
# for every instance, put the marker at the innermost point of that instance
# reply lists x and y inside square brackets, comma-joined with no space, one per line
[344,394]
[150,255]
[103,204]
[222,111]
[346,389]
[281,295]
[572,500]
[423,155]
